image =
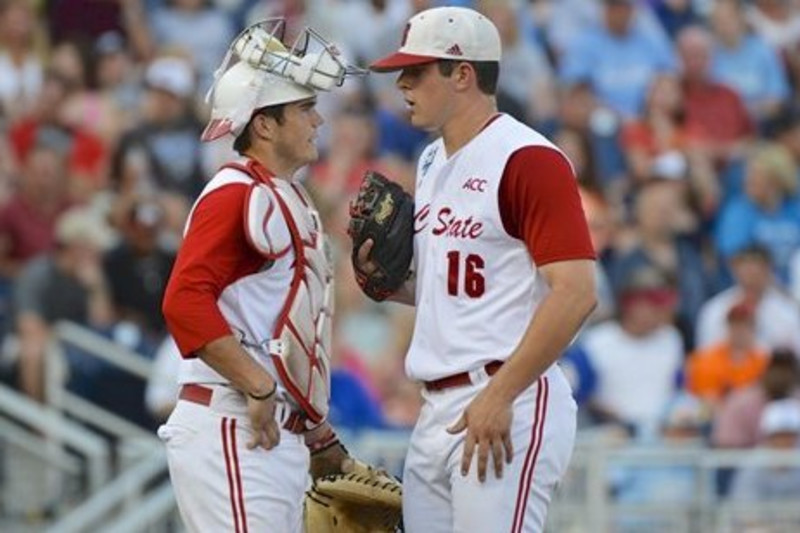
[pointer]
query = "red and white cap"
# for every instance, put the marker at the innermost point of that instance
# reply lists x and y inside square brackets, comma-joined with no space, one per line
[454,33]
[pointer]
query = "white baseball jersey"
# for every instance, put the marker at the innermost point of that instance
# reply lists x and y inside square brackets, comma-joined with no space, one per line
[235,271]
[471,277]
[482,215]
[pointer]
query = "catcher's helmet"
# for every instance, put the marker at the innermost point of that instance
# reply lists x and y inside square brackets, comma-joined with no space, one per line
[261,70]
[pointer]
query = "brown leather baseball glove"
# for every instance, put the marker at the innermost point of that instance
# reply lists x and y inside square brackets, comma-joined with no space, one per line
[384,213]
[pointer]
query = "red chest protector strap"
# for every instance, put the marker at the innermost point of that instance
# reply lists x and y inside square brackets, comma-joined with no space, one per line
[300,389]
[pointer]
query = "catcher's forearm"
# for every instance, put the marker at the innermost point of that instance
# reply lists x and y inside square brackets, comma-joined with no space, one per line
[555,323]
[226,356]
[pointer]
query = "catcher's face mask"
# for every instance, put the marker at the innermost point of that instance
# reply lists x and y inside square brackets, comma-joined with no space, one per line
[260,69]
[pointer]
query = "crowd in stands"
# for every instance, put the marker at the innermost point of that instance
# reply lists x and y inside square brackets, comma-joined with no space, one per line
[681,117]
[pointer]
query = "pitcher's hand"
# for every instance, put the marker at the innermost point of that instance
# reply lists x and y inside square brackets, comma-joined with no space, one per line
[487,420]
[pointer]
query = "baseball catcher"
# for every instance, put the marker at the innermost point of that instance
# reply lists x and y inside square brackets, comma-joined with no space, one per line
[364,500]
[383,213]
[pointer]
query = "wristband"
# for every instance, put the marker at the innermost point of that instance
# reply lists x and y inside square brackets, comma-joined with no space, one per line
[266,396]
[326,441]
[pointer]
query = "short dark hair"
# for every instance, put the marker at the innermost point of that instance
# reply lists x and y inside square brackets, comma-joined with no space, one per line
[486,72]
[244,141]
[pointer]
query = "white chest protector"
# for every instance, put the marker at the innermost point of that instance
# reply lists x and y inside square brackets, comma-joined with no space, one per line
[300,343]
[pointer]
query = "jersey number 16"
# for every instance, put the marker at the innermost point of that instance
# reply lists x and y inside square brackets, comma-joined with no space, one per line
[474,282]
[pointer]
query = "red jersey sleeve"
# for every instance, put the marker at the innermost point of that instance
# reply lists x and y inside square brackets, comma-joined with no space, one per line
[540,205]
[214,254]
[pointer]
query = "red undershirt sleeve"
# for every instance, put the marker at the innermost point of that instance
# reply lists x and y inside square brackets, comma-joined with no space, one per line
[213,255]
[540,205]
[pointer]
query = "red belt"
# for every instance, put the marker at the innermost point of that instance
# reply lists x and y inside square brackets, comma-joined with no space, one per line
[192,392]
[460,380]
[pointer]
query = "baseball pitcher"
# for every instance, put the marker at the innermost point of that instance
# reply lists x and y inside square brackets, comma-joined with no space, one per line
[497,259]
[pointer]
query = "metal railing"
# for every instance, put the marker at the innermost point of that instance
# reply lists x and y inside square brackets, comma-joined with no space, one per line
[139,496]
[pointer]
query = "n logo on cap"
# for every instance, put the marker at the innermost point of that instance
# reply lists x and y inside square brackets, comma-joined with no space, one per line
[454,50]
[405,34]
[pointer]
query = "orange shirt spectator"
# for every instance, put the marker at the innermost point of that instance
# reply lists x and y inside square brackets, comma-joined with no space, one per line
[713,372]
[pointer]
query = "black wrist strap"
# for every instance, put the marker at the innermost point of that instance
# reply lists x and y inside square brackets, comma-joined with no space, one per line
[266,396]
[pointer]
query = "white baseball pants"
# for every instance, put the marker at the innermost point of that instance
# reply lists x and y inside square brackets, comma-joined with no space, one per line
[438,499]
[219,484]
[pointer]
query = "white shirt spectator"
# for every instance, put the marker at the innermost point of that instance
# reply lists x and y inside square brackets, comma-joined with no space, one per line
[777,319]
[161,392]
[19,85]
[635,375]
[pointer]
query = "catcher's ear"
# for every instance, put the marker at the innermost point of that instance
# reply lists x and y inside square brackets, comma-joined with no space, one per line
[263,127]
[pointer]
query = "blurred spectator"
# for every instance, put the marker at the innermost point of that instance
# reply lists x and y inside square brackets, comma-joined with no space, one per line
[28,218]
[197,28]
[163,155]
[162,389]
[736,419]
[566,20]
[768,213]
[661,241]
[83,21]
[656,145]
[745,62]
[67,284]
[21,72]
[380,25]
[138,267]
[778,23]
[527,79]
[337,176]
[600,220]
[589,132]
[618,59]
[353,405]
[86,162]
[675,15]
[779,429]
[681,427]
[777,317]
[714,372]
[712,110]
[637,357]
[116,77]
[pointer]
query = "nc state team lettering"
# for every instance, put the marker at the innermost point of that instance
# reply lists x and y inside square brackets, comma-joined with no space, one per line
[448,224]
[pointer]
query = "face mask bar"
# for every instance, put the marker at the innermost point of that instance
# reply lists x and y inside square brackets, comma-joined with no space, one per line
[311,61]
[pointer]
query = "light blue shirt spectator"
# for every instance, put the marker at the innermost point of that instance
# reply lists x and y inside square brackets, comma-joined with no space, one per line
[203,34]
[743,223]
[619,68]
[753,69]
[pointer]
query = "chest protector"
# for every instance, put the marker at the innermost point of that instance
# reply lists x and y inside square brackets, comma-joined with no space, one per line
[300,346]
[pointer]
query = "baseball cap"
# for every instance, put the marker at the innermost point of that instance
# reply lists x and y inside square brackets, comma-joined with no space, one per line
[454,33]
[780,416]
[82,225]
[171,74]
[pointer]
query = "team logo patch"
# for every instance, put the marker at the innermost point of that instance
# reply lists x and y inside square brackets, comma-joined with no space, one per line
[385,209]
[474,184]
[429,157]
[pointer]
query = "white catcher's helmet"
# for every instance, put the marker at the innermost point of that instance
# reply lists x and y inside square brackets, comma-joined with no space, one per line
[260,70]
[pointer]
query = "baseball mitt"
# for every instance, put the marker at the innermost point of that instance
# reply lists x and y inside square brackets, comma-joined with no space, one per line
[384,213]
[364,500]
